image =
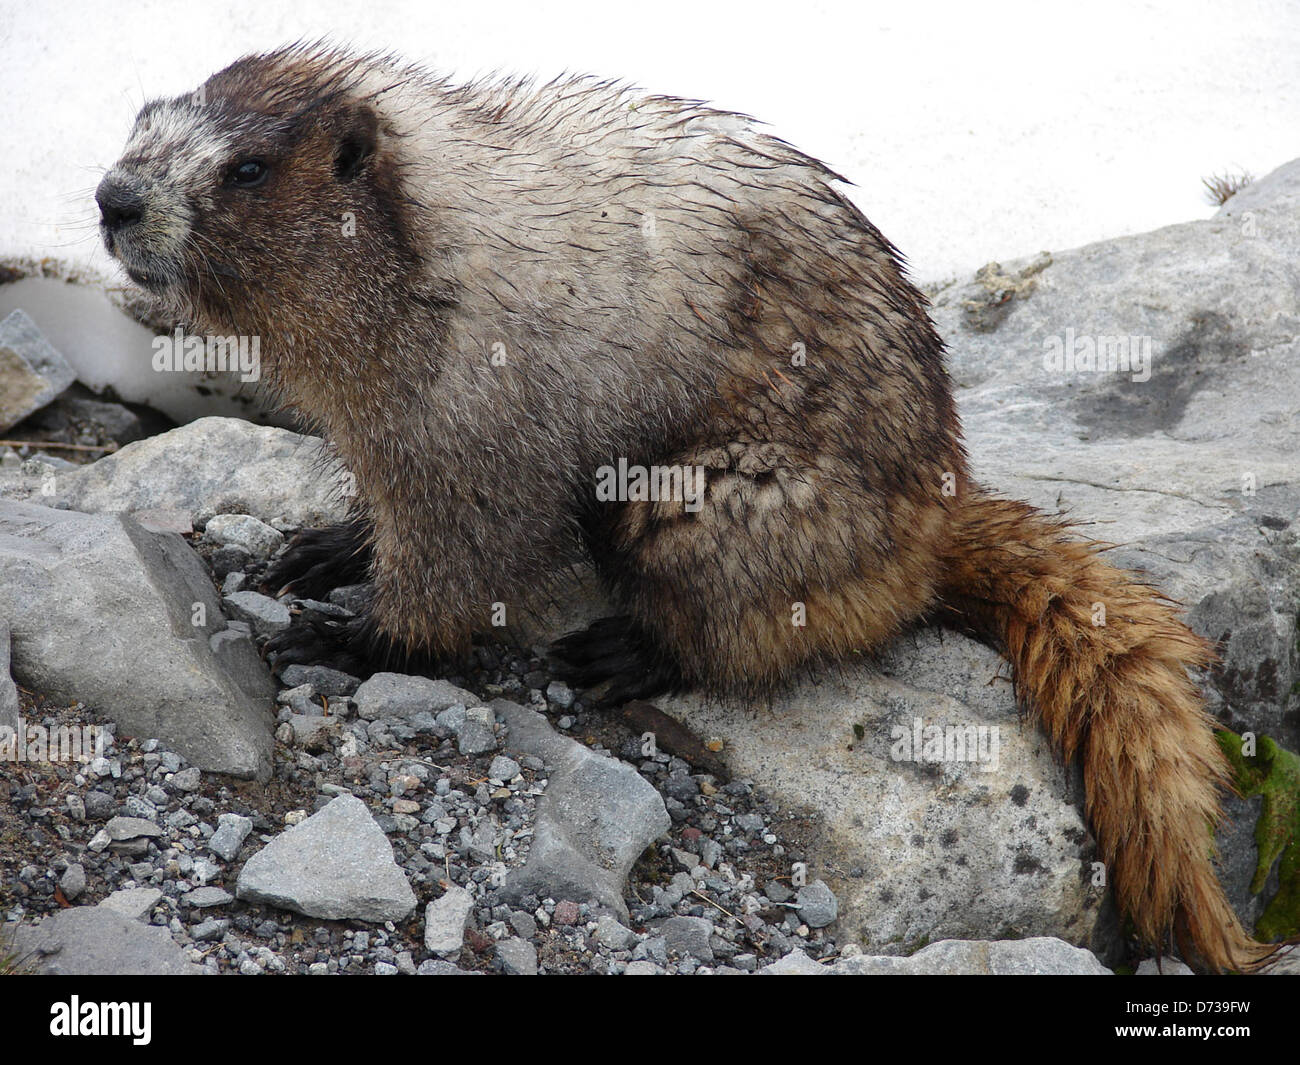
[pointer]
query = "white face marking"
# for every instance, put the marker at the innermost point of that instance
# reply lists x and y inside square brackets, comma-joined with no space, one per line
[183,135]
[174,157]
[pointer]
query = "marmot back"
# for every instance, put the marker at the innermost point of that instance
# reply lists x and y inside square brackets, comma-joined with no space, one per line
[490,296]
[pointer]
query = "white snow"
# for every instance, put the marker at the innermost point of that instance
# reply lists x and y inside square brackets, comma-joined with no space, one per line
[972,131]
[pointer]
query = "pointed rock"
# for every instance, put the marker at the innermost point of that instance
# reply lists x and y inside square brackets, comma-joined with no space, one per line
[598,814]
[337,864]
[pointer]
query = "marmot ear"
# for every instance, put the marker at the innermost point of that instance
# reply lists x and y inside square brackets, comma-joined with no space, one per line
[357,143]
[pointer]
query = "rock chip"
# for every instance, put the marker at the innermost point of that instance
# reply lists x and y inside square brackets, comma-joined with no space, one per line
[245,532]
[444,920]
[232,830]
[517,957]
[135,903]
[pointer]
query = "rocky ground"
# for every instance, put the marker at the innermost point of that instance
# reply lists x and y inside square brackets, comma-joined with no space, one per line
[422,801]
[493,822]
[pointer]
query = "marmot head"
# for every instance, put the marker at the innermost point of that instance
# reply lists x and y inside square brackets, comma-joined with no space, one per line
[258,194]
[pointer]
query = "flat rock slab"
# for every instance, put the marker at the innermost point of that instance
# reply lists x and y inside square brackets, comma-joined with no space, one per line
[954,849]
[209,467]
[135,903]
[1039,956]
[96,941]
[337,864]
[399,697]
[594,820]
[32,372]
[1188,462]
[105,612]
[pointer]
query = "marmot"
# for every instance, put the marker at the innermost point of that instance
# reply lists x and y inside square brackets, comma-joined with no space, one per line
[486,295]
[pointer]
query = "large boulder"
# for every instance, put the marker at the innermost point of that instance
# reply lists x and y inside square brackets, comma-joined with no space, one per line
[127,621]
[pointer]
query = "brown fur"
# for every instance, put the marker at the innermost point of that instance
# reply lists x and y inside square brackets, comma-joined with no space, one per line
[650,266]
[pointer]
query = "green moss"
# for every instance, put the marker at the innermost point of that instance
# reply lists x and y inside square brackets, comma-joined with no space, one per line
[1274,774]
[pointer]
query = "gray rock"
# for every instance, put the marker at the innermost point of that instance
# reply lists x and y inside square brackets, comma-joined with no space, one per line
[32,372]
[452,719]
[398,697]
[816,904]
[689,935]
[96,941]
[642,968]
[337,864]
[1192,469]
[111,420]
[595,818]
[1163,967]
[267,616]
[477,735]
[560,694]
[123,828]
[104,612]
[213,466]
[245,532]
[135,903]
[186,781]
[444,920]
[313,731]
[951,849]
[100,805]
[232,830]
[524,924]
[202,898]
[517,958]
[796,963]
[610,933]
[209,929]
[73,881]
[352,597]
[434,967]
[1040,956]
[503,769]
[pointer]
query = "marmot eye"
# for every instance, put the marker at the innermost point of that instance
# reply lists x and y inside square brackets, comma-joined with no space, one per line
[249,173]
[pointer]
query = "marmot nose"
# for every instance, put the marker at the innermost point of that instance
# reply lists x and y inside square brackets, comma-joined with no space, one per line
[120,206]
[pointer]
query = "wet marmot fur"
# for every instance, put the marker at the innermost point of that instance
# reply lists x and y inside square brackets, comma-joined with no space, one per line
[485,295]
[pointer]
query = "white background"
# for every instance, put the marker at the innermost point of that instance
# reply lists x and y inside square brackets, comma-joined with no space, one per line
[973,131]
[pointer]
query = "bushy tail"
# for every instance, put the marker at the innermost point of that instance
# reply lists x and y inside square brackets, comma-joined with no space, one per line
[1100,660]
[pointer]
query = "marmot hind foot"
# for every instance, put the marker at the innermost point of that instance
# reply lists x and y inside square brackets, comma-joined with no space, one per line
[618,652]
